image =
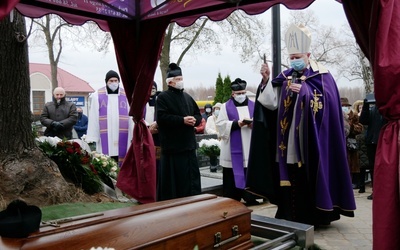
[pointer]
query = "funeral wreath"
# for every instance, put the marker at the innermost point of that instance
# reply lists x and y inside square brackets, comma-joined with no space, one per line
[87,170]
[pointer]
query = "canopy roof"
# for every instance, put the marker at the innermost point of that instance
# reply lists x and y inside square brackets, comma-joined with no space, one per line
[182,12]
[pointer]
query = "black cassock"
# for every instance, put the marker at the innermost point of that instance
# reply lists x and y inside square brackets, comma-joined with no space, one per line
[260,172]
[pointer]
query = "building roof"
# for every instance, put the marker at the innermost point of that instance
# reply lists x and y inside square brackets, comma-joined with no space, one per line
[66,80]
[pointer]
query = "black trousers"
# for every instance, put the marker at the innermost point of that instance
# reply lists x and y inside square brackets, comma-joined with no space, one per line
[230,190]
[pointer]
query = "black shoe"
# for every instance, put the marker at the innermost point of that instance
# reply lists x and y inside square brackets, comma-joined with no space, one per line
[369,197]
[355,186]
[252,203]
[362,190]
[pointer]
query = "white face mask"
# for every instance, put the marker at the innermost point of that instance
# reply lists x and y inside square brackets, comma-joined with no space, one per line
[216,112]
[179,85]
[346,109]
[240,98]
[113,86]
[208,110]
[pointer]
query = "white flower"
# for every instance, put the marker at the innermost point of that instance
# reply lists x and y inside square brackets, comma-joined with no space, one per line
[209,147]
[209,142]
[52,140]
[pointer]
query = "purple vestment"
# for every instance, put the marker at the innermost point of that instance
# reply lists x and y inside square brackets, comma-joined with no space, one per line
[123,123]
[236,143]
[319,110]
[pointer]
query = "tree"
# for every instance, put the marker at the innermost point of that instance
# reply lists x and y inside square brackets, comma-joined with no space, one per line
[53,41]
[55,31]
[358,66]
[219,85]
[327,45]
[25,172]
[227,89]
[243,32]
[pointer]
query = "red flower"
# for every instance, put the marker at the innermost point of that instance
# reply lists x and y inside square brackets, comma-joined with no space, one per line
[93,169]
[69,150]
[85,159]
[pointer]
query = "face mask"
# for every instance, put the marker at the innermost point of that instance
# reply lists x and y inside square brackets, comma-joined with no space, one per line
[113,86]
[298,64]
[179,85]
[208,110]
[216,112]
[240,98]
[346,109]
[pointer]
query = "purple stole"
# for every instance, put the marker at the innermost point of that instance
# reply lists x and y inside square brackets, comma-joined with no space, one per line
[236,143]
[123,122]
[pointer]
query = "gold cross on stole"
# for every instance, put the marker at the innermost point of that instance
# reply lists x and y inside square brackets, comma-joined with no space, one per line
[315,103]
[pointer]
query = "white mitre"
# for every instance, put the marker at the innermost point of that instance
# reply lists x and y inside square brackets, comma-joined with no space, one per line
[298,39]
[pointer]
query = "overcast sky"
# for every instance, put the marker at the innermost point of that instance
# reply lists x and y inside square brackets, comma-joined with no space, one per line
[203,70]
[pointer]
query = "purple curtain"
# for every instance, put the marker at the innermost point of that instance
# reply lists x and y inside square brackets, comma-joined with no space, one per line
[137,49]
[376,25]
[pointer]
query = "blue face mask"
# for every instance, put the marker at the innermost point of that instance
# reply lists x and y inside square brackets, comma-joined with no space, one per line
[298,64]
[346,109]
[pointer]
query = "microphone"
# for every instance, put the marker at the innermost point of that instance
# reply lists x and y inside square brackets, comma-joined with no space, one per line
[294,76]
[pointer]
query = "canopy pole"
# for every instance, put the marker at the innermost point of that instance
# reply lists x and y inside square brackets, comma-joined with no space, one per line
[276,40]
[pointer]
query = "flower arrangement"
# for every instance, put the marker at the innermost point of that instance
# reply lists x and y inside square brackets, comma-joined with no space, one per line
[209,147]
[105,166]
[88,170]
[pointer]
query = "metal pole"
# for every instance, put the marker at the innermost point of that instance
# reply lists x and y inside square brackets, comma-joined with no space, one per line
[276,41]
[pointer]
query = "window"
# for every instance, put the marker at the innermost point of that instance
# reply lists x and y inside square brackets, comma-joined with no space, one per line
[38,100]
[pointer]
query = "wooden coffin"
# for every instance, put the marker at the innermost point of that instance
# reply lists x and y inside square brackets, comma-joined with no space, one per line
[206,221]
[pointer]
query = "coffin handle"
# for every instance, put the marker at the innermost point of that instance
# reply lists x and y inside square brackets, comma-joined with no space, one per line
[218,236]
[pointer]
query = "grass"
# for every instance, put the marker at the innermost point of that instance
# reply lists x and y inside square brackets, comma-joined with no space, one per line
[74,209]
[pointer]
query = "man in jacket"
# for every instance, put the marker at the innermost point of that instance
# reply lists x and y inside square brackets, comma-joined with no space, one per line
[59,116]
[82,123]
[371,117]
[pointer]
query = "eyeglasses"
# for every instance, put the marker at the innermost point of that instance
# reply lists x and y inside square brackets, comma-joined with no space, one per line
[238,86]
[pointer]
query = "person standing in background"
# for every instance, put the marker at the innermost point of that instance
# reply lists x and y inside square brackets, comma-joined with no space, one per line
[371,117]
[82,123]
[207,111]
[110,126]
[260,175]
[177,115]
[210,124]
[59,116]
[352,147]
[234,124]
